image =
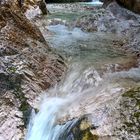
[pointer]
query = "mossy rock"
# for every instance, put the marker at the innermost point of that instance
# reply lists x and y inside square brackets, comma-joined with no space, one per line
[130,111]
[78,129]
[132,93]
[88,136]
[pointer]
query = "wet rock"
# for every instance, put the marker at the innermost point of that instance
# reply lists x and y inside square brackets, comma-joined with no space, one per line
[78,129]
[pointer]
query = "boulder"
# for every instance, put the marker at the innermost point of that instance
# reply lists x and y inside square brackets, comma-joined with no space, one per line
[78,129]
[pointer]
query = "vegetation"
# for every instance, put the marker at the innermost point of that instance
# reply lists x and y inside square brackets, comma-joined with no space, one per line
[131,104]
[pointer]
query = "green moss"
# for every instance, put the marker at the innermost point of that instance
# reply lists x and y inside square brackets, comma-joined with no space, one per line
[129,124]
[137,115]
[132,93]
[89,136]
[12,69]
[95,137]
[131,103]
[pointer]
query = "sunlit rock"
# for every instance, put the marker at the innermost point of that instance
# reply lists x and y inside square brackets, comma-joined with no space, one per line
[27,67]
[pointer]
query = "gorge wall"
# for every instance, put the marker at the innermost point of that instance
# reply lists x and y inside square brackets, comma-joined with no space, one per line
[133,5]
[28,66]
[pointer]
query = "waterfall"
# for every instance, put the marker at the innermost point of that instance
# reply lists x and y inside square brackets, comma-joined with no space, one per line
[43,125]
[78,88]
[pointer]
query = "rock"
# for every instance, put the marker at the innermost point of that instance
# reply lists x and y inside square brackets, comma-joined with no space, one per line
[122,122]
[88,22]
[106,2]
[43,7]
[78,129]
[133,5]
[114,19]
[28,4]
[28,66]
[129,115]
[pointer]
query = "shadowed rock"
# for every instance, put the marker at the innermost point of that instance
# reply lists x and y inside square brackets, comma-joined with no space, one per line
[133,5]
[78,129]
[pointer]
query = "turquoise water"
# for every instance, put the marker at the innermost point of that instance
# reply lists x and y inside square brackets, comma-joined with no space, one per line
[90,48]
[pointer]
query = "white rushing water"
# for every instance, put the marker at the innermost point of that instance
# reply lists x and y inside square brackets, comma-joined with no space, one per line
[96,2]
[43,125]
[65,36]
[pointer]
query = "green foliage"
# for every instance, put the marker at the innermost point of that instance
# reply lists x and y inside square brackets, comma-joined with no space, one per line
[12,69]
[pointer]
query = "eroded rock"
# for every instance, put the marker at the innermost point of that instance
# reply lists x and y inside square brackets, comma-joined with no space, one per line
[28,66]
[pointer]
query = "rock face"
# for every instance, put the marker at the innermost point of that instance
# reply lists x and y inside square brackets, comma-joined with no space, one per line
[27,4]
[27,67]
[122,22]
[133,5]
[43,7]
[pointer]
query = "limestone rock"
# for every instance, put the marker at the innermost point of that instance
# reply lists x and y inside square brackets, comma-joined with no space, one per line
[28,66]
